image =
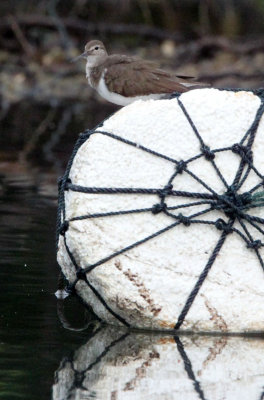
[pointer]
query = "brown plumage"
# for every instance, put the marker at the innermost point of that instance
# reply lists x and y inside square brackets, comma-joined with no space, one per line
[123,79]
[133,77]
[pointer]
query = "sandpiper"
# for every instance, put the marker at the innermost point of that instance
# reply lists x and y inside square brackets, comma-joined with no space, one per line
[121,79]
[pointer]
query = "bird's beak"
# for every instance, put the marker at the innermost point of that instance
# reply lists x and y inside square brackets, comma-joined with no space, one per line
[83,55]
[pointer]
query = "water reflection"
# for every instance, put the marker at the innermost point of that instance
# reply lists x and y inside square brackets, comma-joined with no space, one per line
[118,365]
[97,362]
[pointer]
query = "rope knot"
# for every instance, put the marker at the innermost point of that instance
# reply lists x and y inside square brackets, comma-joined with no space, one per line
[68,182]
[245,153]
[184,220]
[215,206]
[157,208]
[181,166]
[59,182]
[83,136]
[256,244]
[80,274]
[166,191]
[207,152]
[246,198]
[64,227]
[221,225]
[79,377]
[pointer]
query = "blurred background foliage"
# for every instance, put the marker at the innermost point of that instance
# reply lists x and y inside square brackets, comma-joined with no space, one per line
[225,17]
[45,100]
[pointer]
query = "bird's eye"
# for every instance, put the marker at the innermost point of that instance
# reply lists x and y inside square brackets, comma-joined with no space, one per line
[96,48]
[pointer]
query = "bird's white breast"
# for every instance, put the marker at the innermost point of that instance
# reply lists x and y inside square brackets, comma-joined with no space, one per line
[111,96]
[88,73]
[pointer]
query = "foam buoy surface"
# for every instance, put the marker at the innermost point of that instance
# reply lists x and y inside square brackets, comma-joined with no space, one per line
[162,218]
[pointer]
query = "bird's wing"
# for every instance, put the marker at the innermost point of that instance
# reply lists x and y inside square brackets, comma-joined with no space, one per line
[131,77]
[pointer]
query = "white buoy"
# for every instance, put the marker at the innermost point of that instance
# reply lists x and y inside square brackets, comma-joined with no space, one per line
[171,227]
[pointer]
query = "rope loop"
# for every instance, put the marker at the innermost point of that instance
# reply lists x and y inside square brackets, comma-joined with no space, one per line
[221,225]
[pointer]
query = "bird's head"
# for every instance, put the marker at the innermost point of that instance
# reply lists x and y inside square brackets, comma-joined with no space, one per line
[94,51]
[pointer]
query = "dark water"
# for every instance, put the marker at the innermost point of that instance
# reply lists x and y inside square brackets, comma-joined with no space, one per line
[42,358]
[32,339]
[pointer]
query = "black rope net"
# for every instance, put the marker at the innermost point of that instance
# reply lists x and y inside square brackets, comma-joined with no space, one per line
[234,205]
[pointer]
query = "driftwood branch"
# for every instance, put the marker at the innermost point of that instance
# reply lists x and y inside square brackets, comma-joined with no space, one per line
[27,47]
